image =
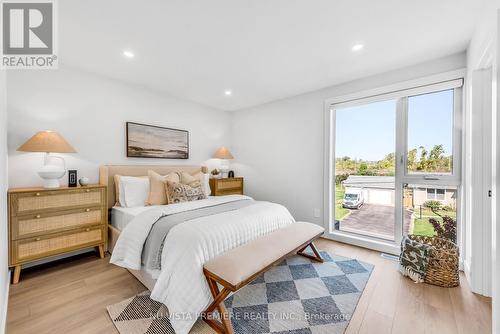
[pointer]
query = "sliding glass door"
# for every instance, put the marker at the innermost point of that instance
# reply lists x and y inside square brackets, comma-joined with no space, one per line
[395,164]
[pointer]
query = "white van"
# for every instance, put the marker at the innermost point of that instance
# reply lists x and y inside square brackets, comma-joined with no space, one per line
[353,198]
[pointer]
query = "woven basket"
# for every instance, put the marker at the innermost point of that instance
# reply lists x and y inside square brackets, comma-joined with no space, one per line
[442,269]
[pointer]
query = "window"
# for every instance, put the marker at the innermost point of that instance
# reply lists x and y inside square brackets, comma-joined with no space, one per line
[430,133]
[440,194]
[398,150]
[436,194]
[365,142]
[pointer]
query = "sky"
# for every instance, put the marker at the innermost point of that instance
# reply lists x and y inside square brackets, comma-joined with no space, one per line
[368,132]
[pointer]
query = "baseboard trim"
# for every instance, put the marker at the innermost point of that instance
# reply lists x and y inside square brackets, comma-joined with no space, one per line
[466,269]
[380,246]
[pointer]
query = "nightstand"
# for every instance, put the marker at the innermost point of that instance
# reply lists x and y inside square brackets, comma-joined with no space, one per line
[47,222]
[226,186]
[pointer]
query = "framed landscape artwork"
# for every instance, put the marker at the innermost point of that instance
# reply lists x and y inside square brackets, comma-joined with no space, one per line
[150,141]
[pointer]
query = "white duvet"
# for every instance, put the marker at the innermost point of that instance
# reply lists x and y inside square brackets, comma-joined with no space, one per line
[181,285]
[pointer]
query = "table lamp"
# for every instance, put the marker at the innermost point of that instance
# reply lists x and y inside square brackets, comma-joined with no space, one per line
[223,154]
[49,142]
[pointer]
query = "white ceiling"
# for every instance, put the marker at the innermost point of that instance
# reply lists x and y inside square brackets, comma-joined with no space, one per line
[262,50]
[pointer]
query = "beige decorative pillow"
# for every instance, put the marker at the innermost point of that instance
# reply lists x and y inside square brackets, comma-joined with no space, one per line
[178,192]
[198,178]
[187,178]
[157,193]
[117,190]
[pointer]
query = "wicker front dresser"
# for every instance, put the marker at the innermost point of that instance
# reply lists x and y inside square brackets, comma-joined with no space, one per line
[227,186]
[48,222]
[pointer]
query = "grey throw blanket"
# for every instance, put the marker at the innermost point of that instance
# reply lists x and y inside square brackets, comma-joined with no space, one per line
[414,259]
[151,253]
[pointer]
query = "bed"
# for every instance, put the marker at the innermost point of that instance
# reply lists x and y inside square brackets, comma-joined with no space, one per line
[120,217]
[180,238]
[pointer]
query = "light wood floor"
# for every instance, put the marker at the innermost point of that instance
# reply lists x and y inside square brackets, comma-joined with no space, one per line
[71,297]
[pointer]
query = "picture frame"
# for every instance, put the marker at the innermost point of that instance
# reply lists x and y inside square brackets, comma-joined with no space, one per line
[157,142]
[72,178]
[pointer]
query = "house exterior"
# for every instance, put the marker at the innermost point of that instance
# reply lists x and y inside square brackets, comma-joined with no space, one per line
[379,190]
[376,189]
[447,196]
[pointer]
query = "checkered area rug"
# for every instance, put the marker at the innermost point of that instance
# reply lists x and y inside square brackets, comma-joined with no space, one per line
[296,297]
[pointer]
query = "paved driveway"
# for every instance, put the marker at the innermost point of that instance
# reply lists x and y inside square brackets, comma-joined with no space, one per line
[373,220]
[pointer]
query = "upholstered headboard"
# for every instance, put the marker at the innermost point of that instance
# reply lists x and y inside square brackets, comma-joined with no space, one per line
[108,172]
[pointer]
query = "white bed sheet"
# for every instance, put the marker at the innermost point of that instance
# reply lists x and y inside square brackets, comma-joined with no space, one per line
[120,217]
[181,285]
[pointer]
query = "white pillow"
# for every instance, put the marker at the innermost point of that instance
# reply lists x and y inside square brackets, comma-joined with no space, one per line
[204,180]
[134,191]
[206,184]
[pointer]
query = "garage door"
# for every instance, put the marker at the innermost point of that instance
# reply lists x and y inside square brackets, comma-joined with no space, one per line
[379,196]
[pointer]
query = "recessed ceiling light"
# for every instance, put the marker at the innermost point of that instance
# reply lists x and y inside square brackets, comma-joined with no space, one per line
[228,93]
[128,54]
[357,47]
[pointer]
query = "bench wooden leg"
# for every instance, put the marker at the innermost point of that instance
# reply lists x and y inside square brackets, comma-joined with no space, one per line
[316,257]
[224,326]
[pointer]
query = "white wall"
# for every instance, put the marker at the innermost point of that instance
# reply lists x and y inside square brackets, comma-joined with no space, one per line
[483,54]
[4,274]
[90,111]
[281,144]
[496,181]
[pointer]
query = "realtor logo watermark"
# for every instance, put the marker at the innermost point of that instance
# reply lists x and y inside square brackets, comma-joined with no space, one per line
[29,39]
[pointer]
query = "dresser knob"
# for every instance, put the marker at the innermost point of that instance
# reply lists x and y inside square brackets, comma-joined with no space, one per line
[87,190]
[87,229]
[38,239]
[37,194]
[87,210]
[37,216]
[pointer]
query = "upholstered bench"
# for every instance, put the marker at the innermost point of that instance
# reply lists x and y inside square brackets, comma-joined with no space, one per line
[240,266]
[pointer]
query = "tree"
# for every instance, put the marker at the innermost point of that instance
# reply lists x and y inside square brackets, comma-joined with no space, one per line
[419,159]
[422,164]
[389,161]
[363,168]
[412,159]
[436,159]
[339,178]
[433,205]
[436,152]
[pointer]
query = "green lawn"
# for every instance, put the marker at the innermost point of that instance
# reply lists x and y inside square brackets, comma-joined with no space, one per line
[340,212]
[422,225]
[428,212]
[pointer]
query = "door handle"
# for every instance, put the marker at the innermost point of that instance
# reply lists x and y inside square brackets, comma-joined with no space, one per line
[431,178]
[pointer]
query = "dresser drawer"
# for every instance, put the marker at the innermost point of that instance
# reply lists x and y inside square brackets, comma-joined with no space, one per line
[34,248]
[54,200]
[238,191]
[47,223]
[229,184]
